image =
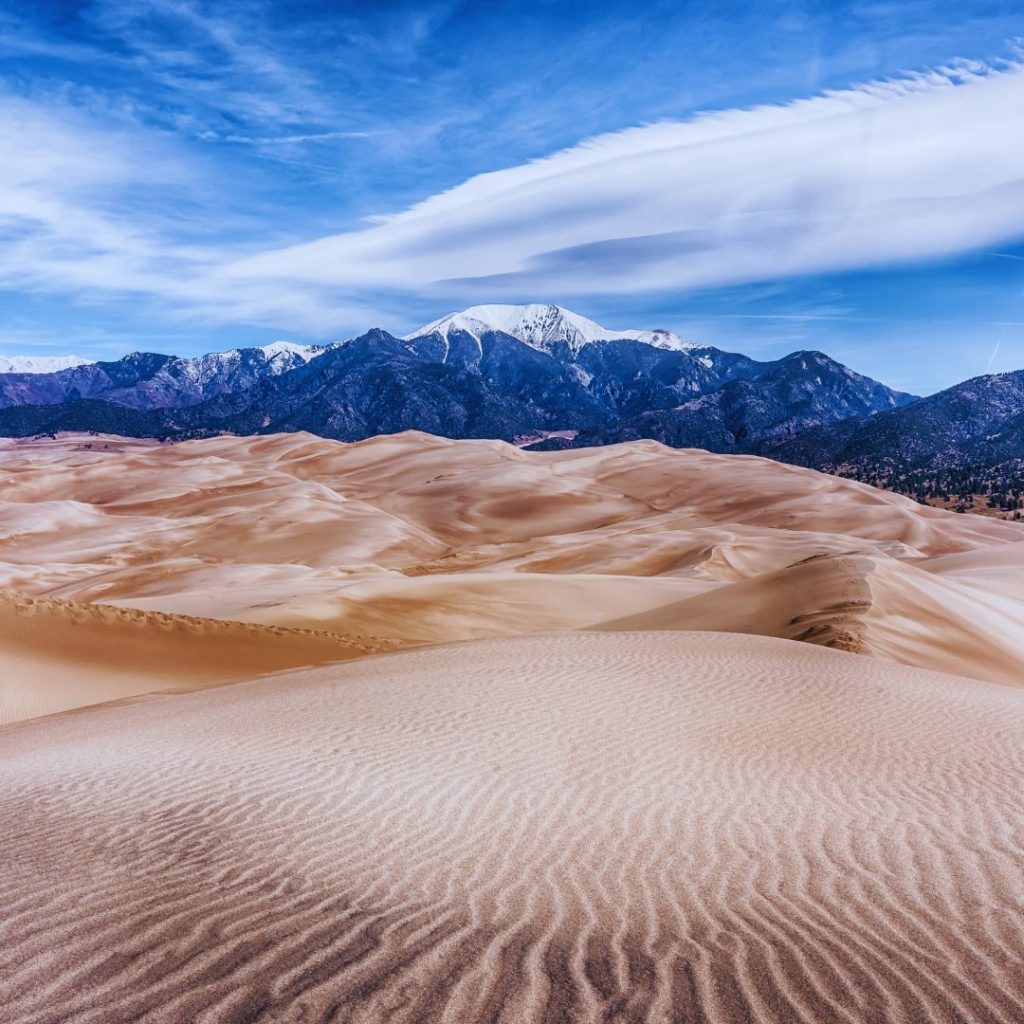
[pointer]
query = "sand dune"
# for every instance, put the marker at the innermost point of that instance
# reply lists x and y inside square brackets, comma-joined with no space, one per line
[688,809]
[438,608]
[425,539]
[58,655]
[869,605]
[825,601]
[577,827]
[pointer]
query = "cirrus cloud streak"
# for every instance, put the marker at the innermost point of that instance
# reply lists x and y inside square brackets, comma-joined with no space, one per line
[889,172]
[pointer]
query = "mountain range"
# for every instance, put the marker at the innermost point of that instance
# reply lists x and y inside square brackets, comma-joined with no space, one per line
[529,374]
[545,377]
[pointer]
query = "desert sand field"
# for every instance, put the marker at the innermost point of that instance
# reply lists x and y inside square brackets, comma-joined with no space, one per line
[422,730]
[411,538]
[572,827]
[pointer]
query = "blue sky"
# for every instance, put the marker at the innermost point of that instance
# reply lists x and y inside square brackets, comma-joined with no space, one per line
[180,176]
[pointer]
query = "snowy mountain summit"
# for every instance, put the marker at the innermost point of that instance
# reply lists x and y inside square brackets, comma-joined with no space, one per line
[40,364]
[288,352]
[550,329]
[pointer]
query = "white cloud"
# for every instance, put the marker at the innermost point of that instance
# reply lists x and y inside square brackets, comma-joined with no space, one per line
[98,212]
[886,172]
[67,191]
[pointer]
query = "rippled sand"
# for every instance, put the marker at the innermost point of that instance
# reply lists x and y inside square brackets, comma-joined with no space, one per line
[574,827]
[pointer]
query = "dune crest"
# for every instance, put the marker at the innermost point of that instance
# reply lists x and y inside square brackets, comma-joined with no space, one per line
[58,655]
[863,603]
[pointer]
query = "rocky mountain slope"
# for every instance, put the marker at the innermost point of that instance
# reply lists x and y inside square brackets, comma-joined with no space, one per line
[800,391]
[522,374]
[951,448]
[147,380]
[980,421]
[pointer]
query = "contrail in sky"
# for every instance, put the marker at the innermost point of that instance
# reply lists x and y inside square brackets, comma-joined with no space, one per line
[991,358]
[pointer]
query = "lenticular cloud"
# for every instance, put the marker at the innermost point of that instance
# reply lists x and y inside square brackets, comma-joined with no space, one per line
[886,172]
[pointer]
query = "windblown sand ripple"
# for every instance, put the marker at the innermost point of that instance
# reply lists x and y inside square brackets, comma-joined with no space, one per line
[580,827]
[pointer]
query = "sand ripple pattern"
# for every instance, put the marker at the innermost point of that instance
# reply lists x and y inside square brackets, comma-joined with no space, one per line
[629,827]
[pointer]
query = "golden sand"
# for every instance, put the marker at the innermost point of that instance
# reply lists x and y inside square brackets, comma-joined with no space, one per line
[618,735]
[572,827]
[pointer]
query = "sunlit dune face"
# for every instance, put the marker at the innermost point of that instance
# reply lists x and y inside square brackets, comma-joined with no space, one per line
[428,730]
[646,826]
[415,539]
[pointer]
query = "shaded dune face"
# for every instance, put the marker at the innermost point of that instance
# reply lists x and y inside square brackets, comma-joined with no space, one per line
[575,827]
[58,655]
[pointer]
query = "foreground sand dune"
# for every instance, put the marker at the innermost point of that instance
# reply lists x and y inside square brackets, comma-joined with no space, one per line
[59,655]
[426,539]
[576,827]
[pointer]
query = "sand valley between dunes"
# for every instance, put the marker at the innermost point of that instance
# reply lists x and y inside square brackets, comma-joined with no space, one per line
[424,730]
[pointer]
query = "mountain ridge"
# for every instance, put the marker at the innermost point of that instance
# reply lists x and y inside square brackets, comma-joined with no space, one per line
[960,448]
[547,327]
[559,377]
[40,364]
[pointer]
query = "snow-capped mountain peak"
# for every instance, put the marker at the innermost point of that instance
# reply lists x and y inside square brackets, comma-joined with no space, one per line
[291,348]
[278,357]
[544,327]
[660,338]
[40,364]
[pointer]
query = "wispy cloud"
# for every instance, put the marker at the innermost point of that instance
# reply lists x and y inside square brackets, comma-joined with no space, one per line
[220,54]
[798,317]
[291,140]
[887,172]
[98,206]
[82,217]
[70,192]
